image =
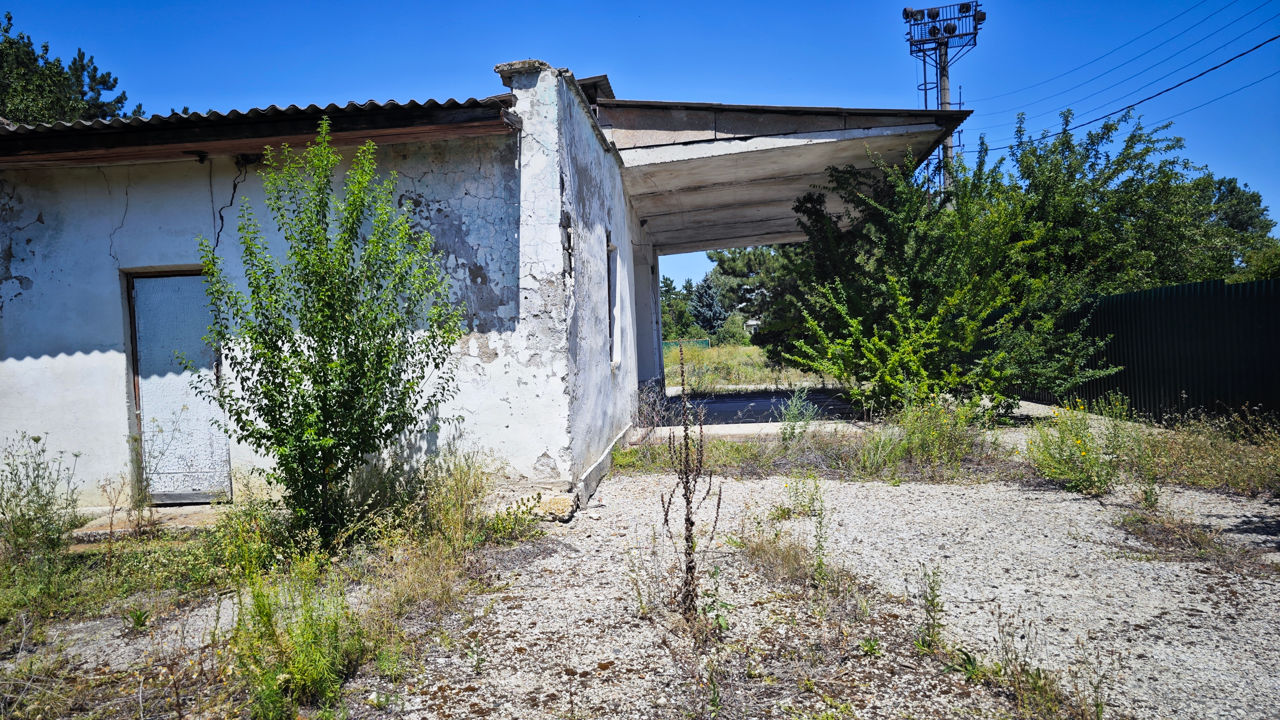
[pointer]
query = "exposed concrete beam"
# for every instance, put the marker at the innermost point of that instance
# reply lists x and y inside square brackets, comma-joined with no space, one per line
[771,163]
[703,177]
[717,215]
[725,230]
[637,157]
[726,243]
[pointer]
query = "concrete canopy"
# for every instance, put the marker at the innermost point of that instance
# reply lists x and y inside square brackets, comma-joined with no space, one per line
[706,176]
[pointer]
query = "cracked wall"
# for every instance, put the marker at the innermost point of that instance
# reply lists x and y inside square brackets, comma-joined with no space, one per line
[67,235]
[522,220]
[603,379]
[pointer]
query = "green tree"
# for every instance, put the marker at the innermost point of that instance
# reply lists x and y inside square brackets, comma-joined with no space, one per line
[340,347]
[35,88]
[704,305]
[758,283]
[733,331]
[677,321]
[1065,219]
[911,286]
[1261,264]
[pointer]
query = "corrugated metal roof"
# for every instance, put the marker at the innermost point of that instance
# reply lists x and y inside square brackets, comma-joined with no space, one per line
[271,111]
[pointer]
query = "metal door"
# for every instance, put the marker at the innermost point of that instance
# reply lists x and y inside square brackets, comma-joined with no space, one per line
[185,457]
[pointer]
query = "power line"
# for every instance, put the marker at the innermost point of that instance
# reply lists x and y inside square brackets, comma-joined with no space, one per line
[1104,55]
[1133,105]
[1171,72]
[1156,80]
[1220,97]
[1144,53]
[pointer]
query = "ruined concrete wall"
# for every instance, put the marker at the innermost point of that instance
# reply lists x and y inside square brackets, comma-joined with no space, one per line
[648,316]
[603,379]
[67,236]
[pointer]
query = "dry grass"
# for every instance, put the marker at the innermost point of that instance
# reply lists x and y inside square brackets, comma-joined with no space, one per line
[928,443]
[707,369]
[1179,539]
[305,618]
[1236,452]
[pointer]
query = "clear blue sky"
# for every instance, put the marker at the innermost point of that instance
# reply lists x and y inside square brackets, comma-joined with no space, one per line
[239,55]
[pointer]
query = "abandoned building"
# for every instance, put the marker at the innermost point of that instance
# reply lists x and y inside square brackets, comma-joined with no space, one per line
[551,203]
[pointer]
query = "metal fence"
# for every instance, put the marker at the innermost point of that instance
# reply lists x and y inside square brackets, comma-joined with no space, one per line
[1209,345]
[673,344]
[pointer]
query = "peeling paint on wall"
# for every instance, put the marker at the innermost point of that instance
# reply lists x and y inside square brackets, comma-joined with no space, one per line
[15,249]
[465,194]
[521,220]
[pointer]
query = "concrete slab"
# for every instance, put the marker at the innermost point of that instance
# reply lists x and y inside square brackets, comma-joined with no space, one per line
[175,518]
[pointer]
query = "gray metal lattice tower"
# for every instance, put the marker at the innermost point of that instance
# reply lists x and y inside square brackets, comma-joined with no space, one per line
[940,36]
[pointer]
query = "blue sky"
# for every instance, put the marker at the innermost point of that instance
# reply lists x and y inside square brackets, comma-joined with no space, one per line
[239,55]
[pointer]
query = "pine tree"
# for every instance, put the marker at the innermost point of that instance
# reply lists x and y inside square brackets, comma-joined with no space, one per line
[35,88]
[704,305]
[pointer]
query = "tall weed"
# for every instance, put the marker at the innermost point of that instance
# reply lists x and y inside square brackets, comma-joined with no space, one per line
[295,640]
[1067,449]
[939,433]
[37,504]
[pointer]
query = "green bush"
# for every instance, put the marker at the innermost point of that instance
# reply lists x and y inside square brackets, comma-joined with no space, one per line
[341,345]
[295,640]
[37,505]
[1066,449]
[912,355]
[733,331]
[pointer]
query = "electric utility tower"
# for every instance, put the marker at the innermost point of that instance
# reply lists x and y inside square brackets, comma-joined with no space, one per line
[940,36]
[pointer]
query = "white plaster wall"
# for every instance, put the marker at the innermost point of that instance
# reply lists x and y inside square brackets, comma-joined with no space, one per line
[603,393]
[67,236]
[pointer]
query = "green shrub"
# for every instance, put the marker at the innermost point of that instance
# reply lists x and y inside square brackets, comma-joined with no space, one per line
[341,345]
[1066,449]
[733,331]
[295,640]
[37,504]
[939,433]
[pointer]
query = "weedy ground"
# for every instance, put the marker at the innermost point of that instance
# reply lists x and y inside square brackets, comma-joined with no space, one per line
[247,619]
[709,368]
[921,568]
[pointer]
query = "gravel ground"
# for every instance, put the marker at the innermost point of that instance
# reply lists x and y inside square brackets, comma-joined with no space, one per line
[563,635]
[1174,640]
[559,628]
[1184,639]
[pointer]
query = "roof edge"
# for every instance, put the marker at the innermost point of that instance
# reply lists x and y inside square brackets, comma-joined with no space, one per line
[797,109]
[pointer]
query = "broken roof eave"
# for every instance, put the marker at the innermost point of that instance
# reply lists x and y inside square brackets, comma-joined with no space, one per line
[184,137]
[706,176]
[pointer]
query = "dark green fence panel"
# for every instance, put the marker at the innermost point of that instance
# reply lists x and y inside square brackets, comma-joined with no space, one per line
[1208,345]
[672,344]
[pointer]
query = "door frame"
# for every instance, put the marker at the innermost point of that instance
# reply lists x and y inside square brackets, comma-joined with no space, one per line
[135,419]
